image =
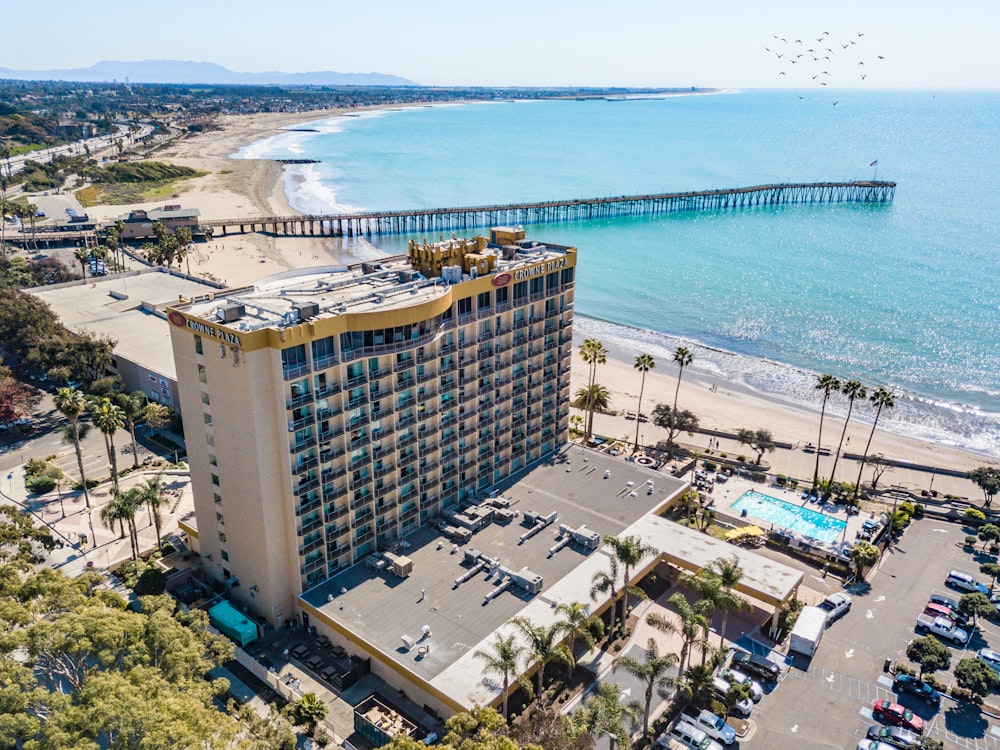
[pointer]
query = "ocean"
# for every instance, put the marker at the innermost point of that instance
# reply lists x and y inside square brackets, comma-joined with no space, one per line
[901,295]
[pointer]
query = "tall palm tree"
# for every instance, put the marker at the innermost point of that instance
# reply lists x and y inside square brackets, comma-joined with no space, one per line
[122,508]
[683,357]
[133,406]
[593,353]
[81,254]
[692,623]
[604,713]
[655,670]
[706,585]
[697,683]
[577,622]
[729,573]
[606,582]
[643,363]
[828,384]
[852,389]
[543,647]
[591,398]
[72,404]
[629,551]
[151,495]
[883,398]
[503,659]
[109,418]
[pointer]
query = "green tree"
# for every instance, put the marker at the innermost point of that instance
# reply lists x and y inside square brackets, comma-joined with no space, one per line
[883,399]
[82,254]
[828,384]
[503,658]
[629,551]
[853,390]
[158,416]
[543,648]
[986,478]
[975,676]
[478,729]
[989,533]
[991,569]
[710,592]
[692,624]
[183,237]
[72,404]
[643,363]
[697,684]
[729,573]
[151,495]
[604,713]
[309,710]
[674,422]
[593,353]
[577,622]
[594,397]
[545,727]
[605,582]
[682,357]
[976,605]
[108,417]
[122,508]
[133,406]
[928,653]
[863,554]
[759,440]
[656,670]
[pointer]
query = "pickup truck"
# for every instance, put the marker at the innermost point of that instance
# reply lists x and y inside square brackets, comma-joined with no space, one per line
[836,605]
[942,627]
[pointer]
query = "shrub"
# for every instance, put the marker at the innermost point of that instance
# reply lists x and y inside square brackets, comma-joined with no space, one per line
[40,484]
[918,511]
[741,458]
[758,476]
[974,514]
[780,480]
[970,541]
[152,581]
[710,465]
[906,507]
[904,669]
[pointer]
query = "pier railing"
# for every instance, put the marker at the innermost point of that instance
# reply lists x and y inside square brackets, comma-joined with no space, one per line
[577,209]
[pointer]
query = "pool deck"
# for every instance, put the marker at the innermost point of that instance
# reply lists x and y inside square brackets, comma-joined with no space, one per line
[725,495]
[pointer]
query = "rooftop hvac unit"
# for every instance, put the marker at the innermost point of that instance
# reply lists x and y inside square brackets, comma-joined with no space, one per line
[306,310]
[231,313]
[527,580]
[471,555]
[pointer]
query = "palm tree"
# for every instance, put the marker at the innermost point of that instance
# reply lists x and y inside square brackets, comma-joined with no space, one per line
[577,622]
[643,363]
[629,551]
[604,713]
[697,683]
[122,508]
[590,398]
[852,389]
[729,573]
[883,398]
[151,495]
[503,659]
[71,403]
[828,384]
[605,582]
[81,254]
[544,647]
[683,357]
[708,588]
[133,406]
[593,353]
[690,628]
[655,671]
[109,418]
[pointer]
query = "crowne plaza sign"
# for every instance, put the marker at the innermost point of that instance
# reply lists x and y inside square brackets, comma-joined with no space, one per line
[204,329]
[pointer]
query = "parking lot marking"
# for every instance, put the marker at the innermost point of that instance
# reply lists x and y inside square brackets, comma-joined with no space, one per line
[869,614]
[994,730]
[849,654]
[879,599]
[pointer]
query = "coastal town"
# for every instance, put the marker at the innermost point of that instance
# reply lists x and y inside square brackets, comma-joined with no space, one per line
[246,449]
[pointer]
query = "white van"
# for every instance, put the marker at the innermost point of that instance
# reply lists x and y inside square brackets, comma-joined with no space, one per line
[712,725]
[690,736]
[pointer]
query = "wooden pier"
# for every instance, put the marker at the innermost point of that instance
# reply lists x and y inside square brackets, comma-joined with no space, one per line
[378,223]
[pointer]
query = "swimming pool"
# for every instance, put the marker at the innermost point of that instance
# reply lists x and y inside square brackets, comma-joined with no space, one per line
[811,523]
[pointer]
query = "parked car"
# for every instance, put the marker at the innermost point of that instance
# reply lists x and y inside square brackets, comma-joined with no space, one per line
[898,715]
[738,678]
[895,736]
[965,582]
[989,657]
[692,737]
[721,687]
[756,665]
[836,605]
[712,725]
[905,683]
[947,601]
[940,610]
[873,745]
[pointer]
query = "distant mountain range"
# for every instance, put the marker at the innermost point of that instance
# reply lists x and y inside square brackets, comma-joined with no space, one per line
[178,71]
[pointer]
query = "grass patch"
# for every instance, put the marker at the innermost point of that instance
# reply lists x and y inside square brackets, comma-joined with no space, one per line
[135,182]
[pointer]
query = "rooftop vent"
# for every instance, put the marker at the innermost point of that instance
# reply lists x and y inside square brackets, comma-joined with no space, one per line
[231,313]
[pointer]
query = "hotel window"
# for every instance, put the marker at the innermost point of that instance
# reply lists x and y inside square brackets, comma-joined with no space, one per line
[537,284]
[212,459]
[323,349]
[225,555]
[218,498]
[208,419]
[197,345]
[552,281]
[465,306]
[483,301]
[567,276]
[202,374]
[210,439]
[520,291]
[205,399]
[215,479]
[220,519]
[502,293]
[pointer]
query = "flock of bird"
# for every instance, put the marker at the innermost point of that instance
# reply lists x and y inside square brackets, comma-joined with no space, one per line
[816,56]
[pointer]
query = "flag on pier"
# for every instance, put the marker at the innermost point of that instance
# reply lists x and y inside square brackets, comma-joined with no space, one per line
[873,163]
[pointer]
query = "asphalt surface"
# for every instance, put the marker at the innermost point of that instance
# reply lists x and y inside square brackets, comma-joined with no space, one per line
[826,701]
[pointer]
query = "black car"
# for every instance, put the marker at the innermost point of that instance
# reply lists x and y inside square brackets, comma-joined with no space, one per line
[756,665]
[896,736]
[904,683]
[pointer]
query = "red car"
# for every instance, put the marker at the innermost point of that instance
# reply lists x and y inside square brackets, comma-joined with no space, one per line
[897,715]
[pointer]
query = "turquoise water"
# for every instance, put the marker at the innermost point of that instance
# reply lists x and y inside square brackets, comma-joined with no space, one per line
[795,518]
[901,295]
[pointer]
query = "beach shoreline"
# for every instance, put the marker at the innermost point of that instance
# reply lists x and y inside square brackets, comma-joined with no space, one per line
[255,187]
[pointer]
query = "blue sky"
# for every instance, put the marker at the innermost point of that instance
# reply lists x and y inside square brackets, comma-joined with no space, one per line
[533,42]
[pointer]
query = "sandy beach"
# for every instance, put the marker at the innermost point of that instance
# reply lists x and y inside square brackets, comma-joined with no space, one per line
[247,187]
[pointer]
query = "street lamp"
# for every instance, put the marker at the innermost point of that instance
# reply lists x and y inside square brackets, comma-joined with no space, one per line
[613,738]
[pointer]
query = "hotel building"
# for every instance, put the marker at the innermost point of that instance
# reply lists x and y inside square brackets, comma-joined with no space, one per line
[331,412]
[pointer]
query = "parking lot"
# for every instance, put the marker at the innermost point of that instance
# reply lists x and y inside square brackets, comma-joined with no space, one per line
[827,702]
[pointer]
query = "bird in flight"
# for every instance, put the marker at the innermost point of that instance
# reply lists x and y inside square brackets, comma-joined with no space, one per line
[826,33]
[860,63]
[880,57]
[835,104]
[822,83]
[863,77]
[860,34]
[779,55]
[781,73]
[844,46]
[798,41]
